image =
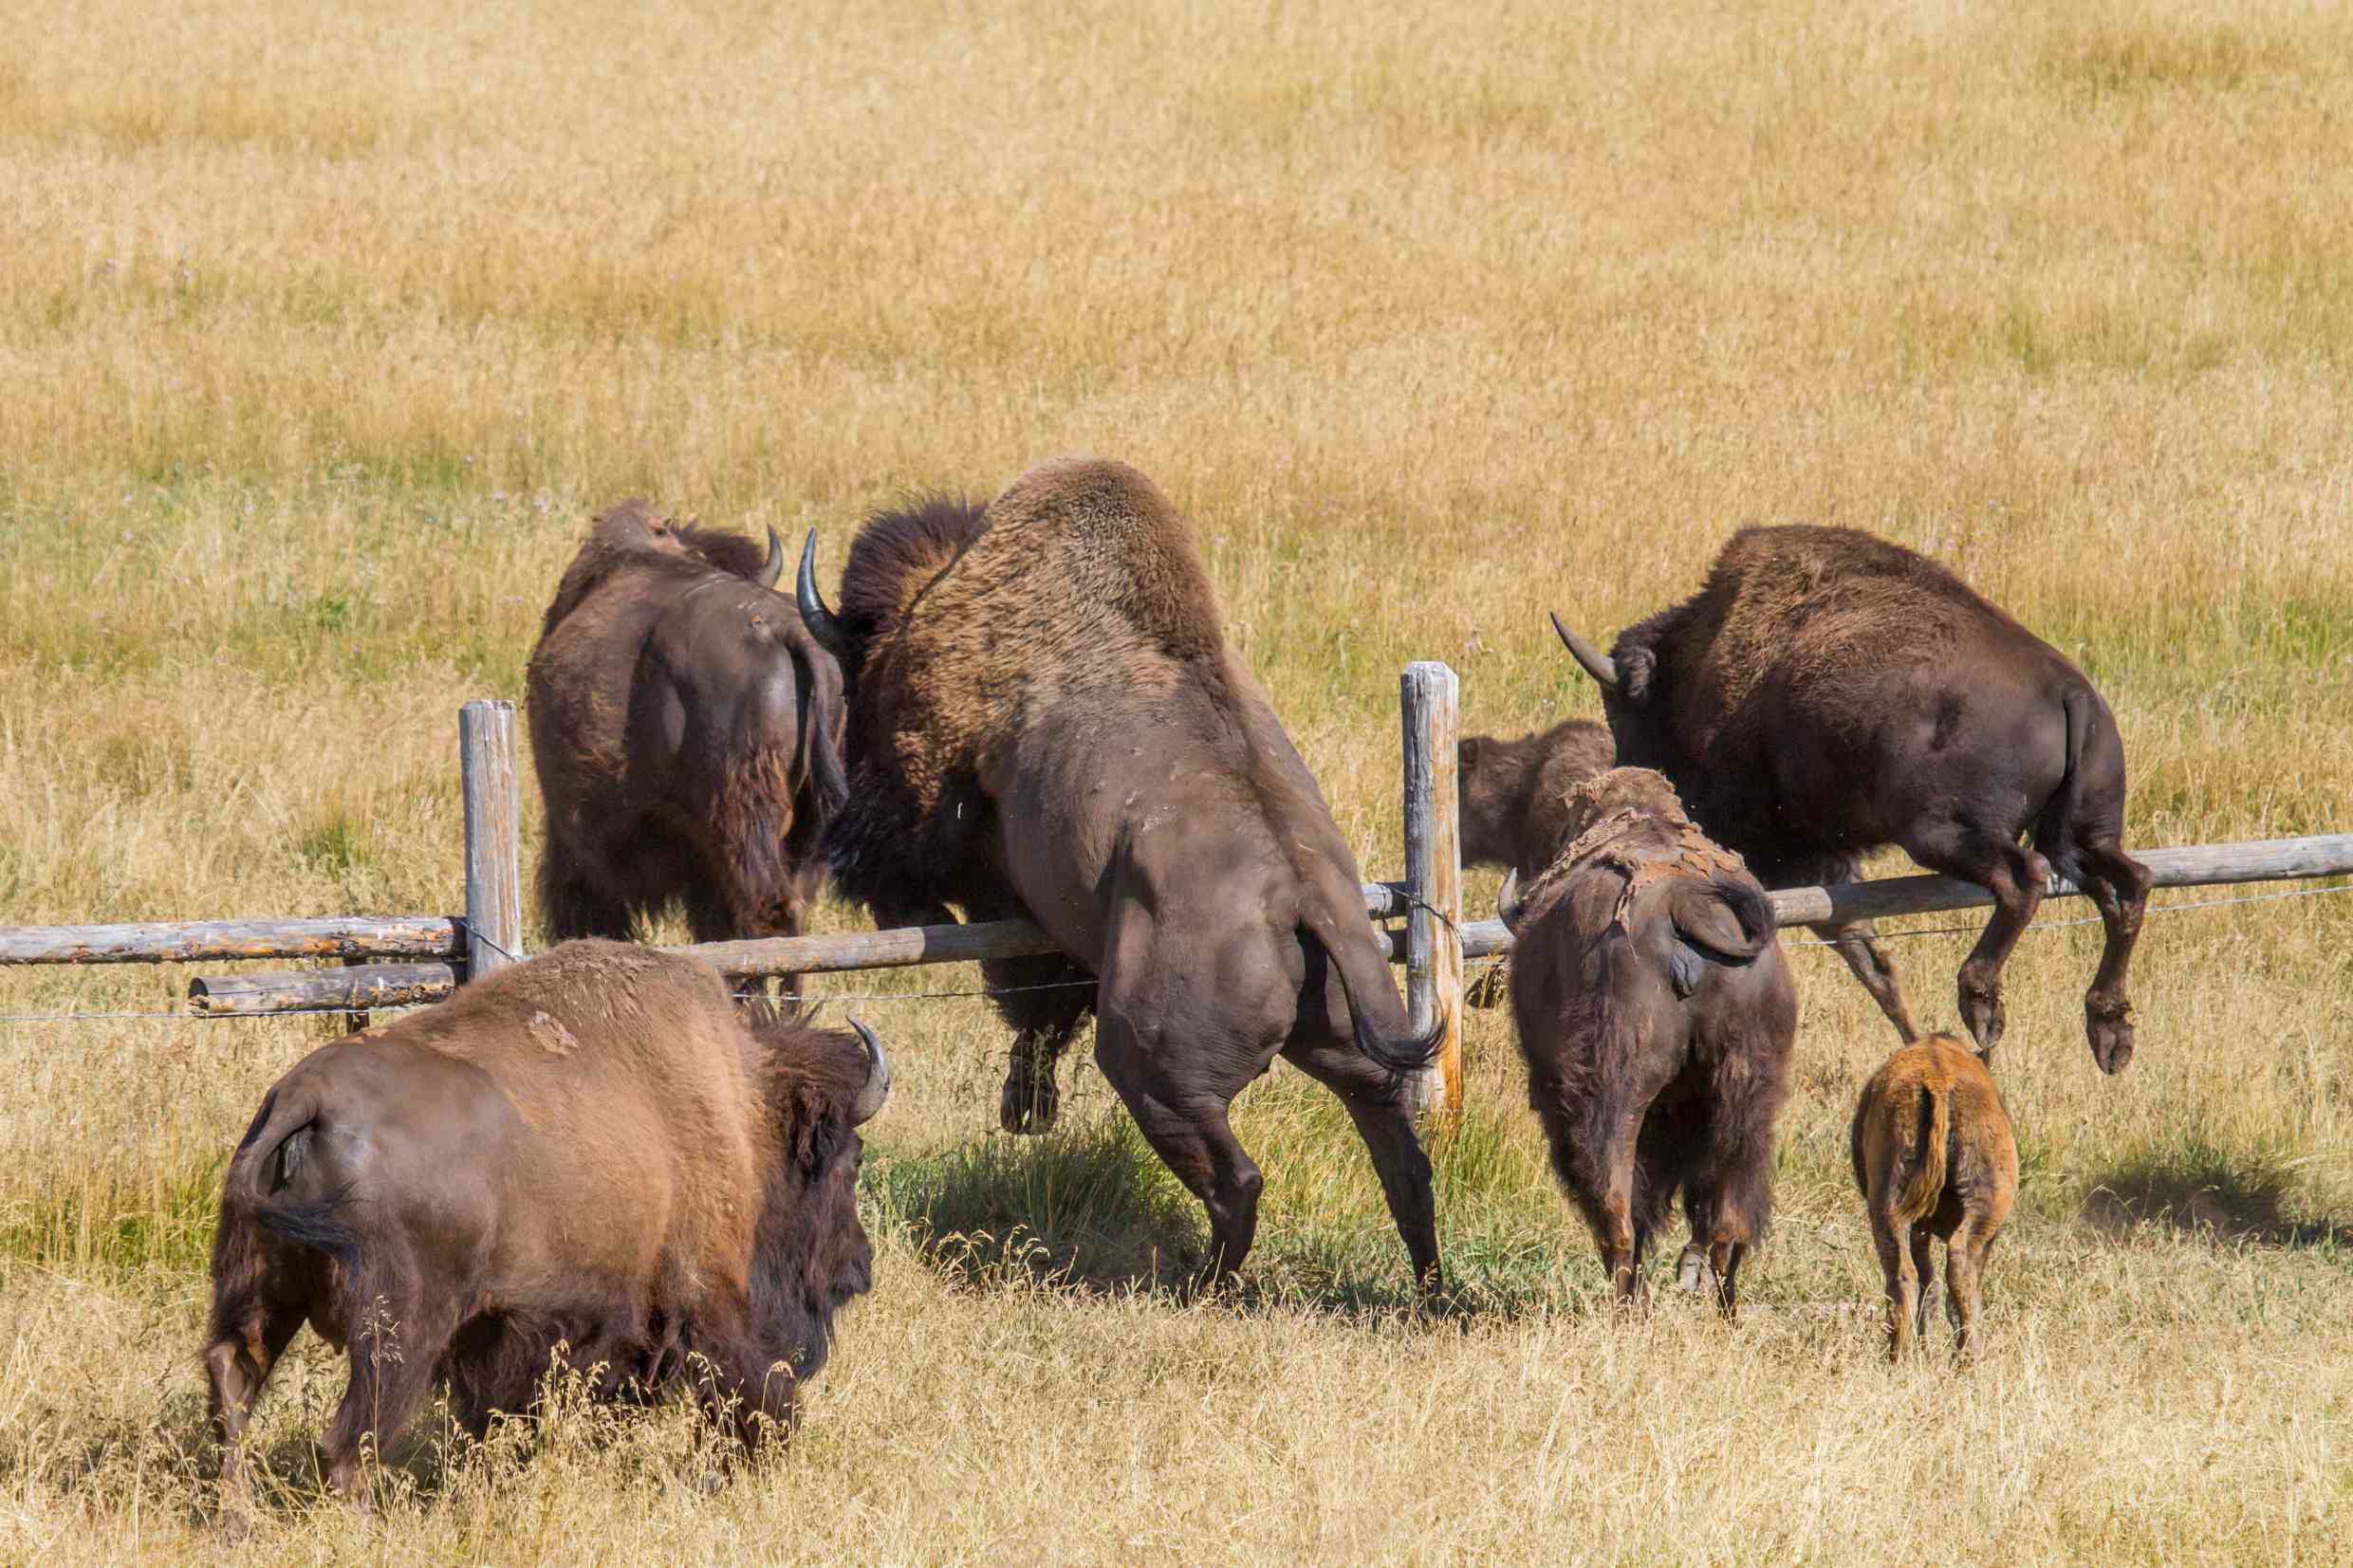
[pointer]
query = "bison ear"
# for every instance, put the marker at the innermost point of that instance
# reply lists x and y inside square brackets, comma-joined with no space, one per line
[1636,667]
[1466,754]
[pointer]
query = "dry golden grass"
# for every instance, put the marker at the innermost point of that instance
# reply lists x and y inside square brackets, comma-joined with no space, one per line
[324,327]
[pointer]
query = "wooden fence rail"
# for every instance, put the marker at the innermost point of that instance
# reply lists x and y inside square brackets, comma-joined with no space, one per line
[2188,866]
[1433,944]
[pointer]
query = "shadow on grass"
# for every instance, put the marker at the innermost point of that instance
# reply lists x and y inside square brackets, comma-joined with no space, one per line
[1090,1208]
[2197,1188]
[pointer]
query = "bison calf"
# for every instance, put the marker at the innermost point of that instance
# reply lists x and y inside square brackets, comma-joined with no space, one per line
[1656,1017]
[1935,1157]
[1513,792]
[593,1150]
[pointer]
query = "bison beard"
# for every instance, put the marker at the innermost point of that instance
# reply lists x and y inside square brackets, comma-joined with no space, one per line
[1826,692]
[1045,721]
[686,732]
[1657,1019]
[593,1158]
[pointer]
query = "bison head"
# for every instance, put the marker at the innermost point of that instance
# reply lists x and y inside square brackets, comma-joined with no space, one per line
[814,1255]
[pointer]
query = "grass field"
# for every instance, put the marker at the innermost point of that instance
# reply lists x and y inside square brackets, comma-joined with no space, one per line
[325,327]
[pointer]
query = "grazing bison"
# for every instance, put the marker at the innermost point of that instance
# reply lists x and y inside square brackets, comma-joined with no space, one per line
[1046,721]
[594,1150]
[1935,1159]
[687,735]
[1827,693]
[1656,1017]
[1515,792]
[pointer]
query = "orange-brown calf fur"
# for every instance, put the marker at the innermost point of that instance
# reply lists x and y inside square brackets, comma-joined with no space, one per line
[1935,1157]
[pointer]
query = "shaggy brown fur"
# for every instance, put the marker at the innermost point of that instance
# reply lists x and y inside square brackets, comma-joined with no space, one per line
[1935,1159]
[687,735]
[1516,793]
[1827,693]
[1656,1018]
[1046,721]
[593,1150]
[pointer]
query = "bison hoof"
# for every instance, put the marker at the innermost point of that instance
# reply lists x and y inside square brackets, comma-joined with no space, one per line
[2110,1028]
[1692,1272]
[1031,1100]
[1983,1013]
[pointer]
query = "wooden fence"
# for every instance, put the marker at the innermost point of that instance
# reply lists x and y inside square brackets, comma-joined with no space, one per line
[439,952]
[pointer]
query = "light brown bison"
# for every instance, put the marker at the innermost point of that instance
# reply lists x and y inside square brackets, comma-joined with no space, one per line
[1827,693]
[1656,1017]
[1045,720]
[1514,793]
[687,734]
[1935,1159]
[593,1150]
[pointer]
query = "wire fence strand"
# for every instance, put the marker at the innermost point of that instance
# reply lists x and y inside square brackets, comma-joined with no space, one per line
[821,999]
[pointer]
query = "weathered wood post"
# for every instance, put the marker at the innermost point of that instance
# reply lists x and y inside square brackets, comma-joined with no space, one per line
[1429,698]
[486,749]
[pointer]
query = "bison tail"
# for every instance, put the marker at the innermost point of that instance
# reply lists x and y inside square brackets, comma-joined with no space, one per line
[2054,830]
[1364,980]
[1922,1163]
[278,1183]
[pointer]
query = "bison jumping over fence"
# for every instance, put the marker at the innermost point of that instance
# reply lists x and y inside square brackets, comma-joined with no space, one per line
[1827,693]
[1046,721]
[1656,1017]
[595,1149]
[686,732]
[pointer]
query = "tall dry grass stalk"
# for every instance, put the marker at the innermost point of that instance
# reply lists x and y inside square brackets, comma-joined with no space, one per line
[325,327]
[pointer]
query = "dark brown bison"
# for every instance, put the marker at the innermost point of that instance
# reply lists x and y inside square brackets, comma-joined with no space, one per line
[1656,1017]
[1515,792]
[1936,1160]
[1827,693]
[687,733]
[1046,721]
[594,1150]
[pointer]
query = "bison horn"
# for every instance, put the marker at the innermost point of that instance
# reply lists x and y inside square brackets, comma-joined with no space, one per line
[1599,665]
[878,1087]
[1507,901]
[814,615]
[773,570]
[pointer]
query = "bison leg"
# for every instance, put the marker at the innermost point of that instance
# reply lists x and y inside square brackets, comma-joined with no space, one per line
[1924,1269]
[1044,999]
[575,906]
[2017,877]
[1858,942]
[1964,1266]
[1376,1102]
[1188,1128]
[742,1389]
[1889,1235]
[2119,885]
[394,1348]
[237,1365]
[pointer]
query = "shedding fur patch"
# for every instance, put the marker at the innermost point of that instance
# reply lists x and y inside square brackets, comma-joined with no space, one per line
[1646,839]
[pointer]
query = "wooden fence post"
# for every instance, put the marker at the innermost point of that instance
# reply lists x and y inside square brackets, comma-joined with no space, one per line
[1429,698]
[486,747]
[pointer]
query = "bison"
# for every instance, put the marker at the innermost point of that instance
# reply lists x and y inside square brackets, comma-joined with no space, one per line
[1935,1159]
[687,734]
[593,1156]
[1046,721]
[1513,792]
[1827,693]
[1656,1017]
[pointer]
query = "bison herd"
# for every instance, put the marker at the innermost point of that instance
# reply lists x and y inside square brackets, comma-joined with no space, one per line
[603,1158]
